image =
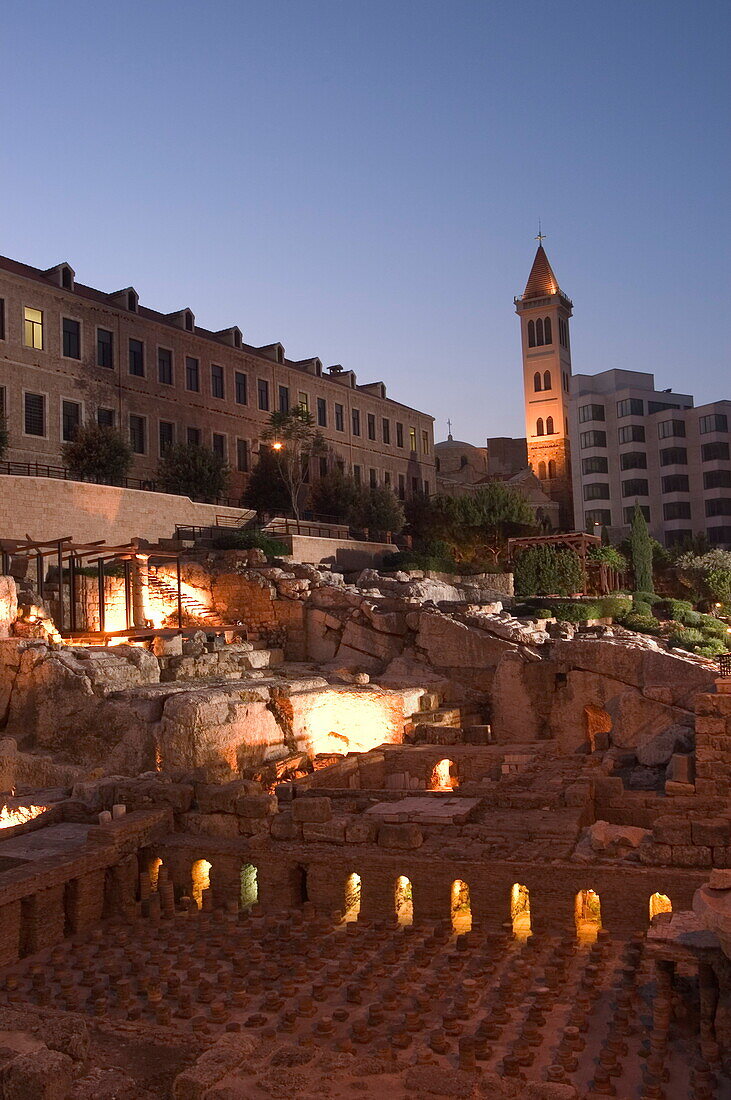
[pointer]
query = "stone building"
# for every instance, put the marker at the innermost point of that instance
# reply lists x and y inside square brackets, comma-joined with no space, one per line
[70,354]
[635,443]
[544,312]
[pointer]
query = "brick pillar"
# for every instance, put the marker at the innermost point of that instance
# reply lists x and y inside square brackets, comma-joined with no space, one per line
[225,878]
[377,893]
[713,742]
[120,887]
[84,901]
[42,919]
[9,933]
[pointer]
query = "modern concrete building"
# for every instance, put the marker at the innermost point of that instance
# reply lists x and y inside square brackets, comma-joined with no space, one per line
[635,443]
[70,354]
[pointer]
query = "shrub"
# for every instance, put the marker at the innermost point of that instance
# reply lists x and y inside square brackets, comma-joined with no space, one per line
[642,623]
[97,453]
[676,609]
[718,583]
[691,618]
[686,638]
[711,649]
[193,471]
[251,540]
[712,627]
[575,612]
[610,555]
[547,571]
[613,607]
[433,556]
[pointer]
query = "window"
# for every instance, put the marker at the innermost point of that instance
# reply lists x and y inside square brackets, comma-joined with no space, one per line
[218,445]
[33,329]
[565,381]
[339,418]
[166,436]
[539,332]
[635,487]
[356,475]
[676,509]
[386,430]
[217,384]
[2,318]
[105,418]
[137,433]
[321,412]
[661,406]
[716,422]
[633,460]
[387,478]
[193,435]
[371,426]
[632,433]
[539,426]
[547,379]
[531,334]
[303,400]
[323,466]
[593,439]
[414,486]
[283,399]
[34,414]
[629,513]
[711,452]
[717,479]
[104,348]
[719,507]
[412,439]
[71,331]
[70,420]
[399,435]
[601,516]
[547,335]
[240,388]
[165,366]
[356,422]
[590,412]
[192,374]
[551,468]
[563,332]
[676,483]
[373,479]
[678,536]
[631,406]
[596,490]
[598,464]
[666,429]
[242,456]
[262,387]
[541,471]
[549,425]
[425,442]
[537,381]
[720,536]
[674,456]
[137,358]
[401,487]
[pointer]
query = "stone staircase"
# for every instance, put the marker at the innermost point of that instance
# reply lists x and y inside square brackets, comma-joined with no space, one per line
[193,608]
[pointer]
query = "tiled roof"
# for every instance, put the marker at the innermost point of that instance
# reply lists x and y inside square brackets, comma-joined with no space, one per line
[541,280]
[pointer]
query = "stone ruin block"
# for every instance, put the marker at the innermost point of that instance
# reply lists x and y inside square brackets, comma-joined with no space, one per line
[311,810]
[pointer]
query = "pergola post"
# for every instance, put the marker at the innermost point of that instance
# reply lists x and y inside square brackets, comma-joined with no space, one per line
[180,596]
[100,589]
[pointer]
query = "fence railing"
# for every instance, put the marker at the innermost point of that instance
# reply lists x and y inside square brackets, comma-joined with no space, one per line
[724,664]
[60,473]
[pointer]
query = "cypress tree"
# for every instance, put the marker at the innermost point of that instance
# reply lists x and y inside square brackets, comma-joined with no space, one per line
[641,547]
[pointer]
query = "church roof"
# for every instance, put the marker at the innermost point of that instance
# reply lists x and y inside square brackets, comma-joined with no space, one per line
[541,280]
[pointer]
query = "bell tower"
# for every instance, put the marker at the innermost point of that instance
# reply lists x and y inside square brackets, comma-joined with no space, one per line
[544,312]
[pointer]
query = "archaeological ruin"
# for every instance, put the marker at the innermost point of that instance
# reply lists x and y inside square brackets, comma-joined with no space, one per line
[271,831]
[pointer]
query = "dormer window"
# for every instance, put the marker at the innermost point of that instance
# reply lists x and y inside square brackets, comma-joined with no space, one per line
[188,321]
[132,300]
[67,277]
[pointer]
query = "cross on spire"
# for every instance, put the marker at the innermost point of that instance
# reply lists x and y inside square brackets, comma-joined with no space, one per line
[540,237]
[449,429]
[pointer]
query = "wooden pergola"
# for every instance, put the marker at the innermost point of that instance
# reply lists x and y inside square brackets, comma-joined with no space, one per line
[70,558]
[578,541]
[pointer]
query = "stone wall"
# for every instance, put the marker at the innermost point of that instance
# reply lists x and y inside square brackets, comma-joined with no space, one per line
[49,508]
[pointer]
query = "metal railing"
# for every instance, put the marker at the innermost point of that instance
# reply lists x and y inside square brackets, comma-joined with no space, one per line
[39,469]
[724,664]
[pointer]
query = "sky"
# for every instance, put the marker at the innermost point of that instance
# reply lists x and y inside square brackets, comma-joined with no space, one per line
[362,179]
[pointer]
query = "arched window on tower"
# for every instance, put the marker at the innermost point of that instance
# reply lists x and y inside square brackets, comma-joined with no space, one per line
[531,335]
[547,335]
[537,381]
[539,332]
[539,426]
[547,380]
[541,471]
[549,426]
[551,468]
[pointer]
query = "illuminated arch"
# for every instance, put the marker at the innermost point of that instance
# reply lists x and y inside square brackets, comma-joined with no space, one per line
[404,900]
[660,903]
[352,897]
[200,875]
[520,910]
[461,908]
[587,915]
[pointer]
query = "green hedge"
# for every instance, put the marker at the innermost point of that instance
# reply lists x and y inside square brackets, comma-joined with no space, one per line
[547,571]
[251,540]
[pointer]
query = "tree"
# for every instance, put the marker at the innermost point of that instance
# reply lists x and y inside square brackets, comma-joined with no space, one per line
[334,496]
[473,525]
[3,436]
[641,549]
[377,509]
[194,471]
[97,453]
[266,491]
[547,571]
[295,440]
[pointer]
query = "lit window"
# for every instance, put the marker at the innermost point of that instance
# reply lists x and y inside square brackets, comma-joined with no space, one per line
[412,439]
[303,400]
[33,328]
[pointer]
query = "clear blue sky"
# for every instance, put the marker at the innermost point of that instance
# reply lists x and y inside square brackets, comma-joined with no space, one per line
[362,179]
